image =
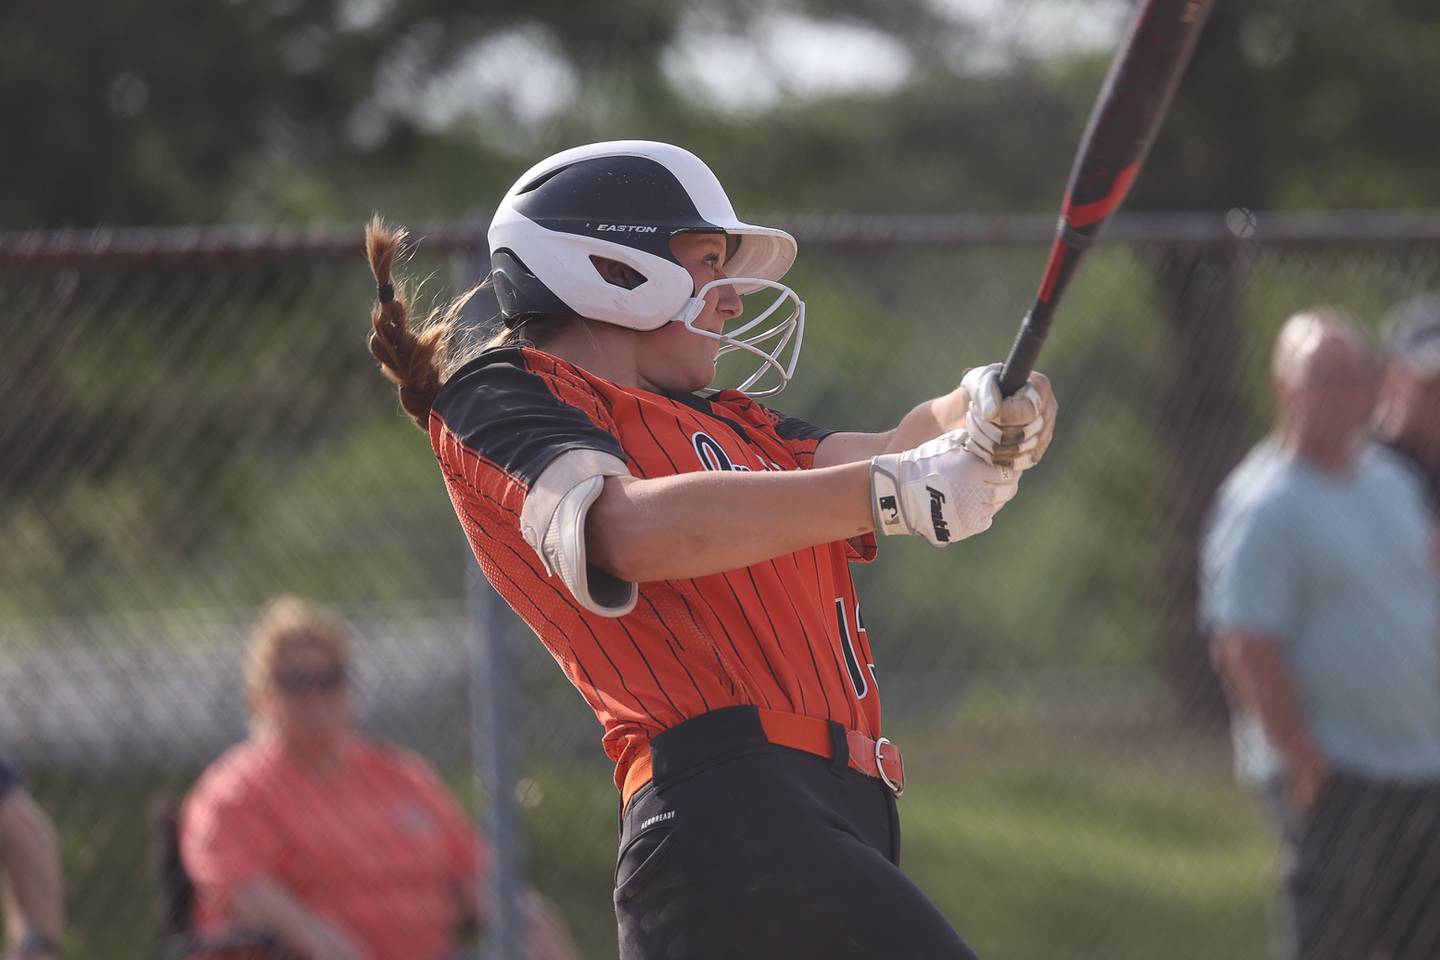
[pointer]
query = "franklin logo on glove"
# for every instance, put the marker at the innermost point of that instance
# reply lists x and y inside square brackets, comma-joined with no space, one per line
[937,514]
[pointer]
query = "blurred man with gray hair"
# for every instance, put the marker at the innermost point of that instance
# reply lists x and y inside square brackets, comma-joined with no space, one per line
[1322,599]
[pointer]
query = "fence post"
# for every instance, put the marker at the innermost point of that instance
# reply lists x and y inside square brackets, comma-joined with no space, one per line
[492,723]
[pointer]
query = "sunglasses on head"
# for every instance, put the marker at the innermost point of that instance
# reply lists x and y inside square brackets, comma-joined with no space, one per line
[310,681]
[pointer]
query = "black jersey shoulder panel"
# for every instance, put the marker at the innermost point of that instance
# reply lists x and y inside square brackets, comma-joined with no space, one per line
[510,416]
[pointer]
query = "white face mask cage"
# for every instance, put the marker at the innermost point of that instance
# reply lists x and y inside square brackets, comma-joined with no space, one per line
[751,337]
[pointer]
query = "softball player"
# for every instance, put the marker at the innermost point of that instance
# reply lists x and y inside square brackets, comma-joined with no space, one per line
[683,554]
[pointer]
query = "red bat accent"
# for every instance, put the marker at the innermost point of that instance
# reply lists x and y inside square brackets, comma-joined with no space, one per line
[1052,269]
[1122,124]
[1088,213]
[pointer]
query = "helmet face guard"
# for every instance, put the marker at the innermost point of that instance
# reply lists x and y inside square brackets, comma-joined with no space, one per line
[775,343]
[624,201]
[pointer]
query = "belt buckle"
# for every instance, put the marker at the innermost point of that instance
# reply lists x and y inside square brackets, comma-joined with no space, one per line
[896,788]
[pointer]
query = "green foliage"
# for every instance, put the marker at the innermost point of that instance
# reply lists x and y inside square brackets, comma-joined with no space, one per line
[168,112]
[1082,529]
[311,109]
[211,437]
[1312,105]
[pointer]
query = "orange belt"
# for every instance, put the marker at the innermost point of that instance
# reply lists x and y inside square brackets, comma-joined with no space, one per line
[875,758]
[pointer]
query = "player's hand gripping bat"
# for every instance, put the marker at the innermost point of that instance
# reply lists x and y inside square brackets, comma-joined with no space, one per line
[1131,105]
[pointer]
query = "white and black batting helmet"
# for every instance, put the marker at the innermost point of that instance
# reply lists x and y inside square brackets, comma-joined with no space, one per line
[623,200]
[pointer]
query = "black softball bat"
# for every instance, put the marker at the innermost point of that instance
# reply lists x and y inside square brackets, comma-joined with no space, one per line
[1128,112]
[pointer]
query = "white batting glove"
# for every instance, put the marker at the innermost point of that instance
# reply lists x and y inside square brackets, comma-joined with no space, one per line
[939,490]
[1013,431]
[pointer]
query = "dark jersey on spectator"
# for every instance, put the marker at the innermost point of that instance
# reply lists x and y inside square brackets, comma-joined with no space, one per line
[1429,473]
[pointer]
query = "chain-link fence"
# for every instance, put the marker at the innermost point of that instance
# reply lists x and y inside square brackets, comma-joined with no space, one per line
[192,424]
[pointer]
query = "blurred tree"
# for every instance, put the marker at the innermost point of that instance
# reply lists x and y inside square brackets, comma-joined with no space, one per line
[148,111]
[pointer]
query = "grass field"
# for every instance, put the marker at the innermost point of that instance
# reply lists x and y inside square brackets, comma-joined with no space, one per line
[1073,860]
[1075,848]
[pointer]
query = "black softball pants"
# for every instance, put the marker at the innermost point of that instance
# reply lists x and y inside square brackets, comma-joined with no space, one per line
[739,848]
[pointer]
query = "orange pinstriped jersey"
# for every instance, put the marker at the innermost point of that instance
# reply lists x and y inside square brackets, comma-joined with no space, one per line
[784,633]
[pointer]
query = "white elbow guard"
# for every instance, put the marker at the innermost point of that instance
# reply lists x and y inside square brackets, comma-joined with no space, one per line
[553,523]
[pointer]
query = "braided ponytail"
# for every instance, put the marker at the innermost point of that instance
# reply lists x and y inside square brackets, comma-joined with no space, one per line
[419,359]
[411,360]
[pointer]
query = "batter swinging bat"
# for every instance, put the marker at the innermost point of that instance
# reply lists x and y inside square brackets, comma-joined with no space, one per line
[1127,114]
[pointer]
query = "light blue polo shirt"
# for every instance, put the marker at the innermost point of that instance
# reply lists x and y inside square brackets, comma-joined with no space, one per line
[1338,568]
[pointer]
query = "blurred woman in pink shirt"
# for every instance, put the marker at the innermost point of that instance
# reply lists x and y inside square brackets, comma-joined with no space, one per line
[341,847]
